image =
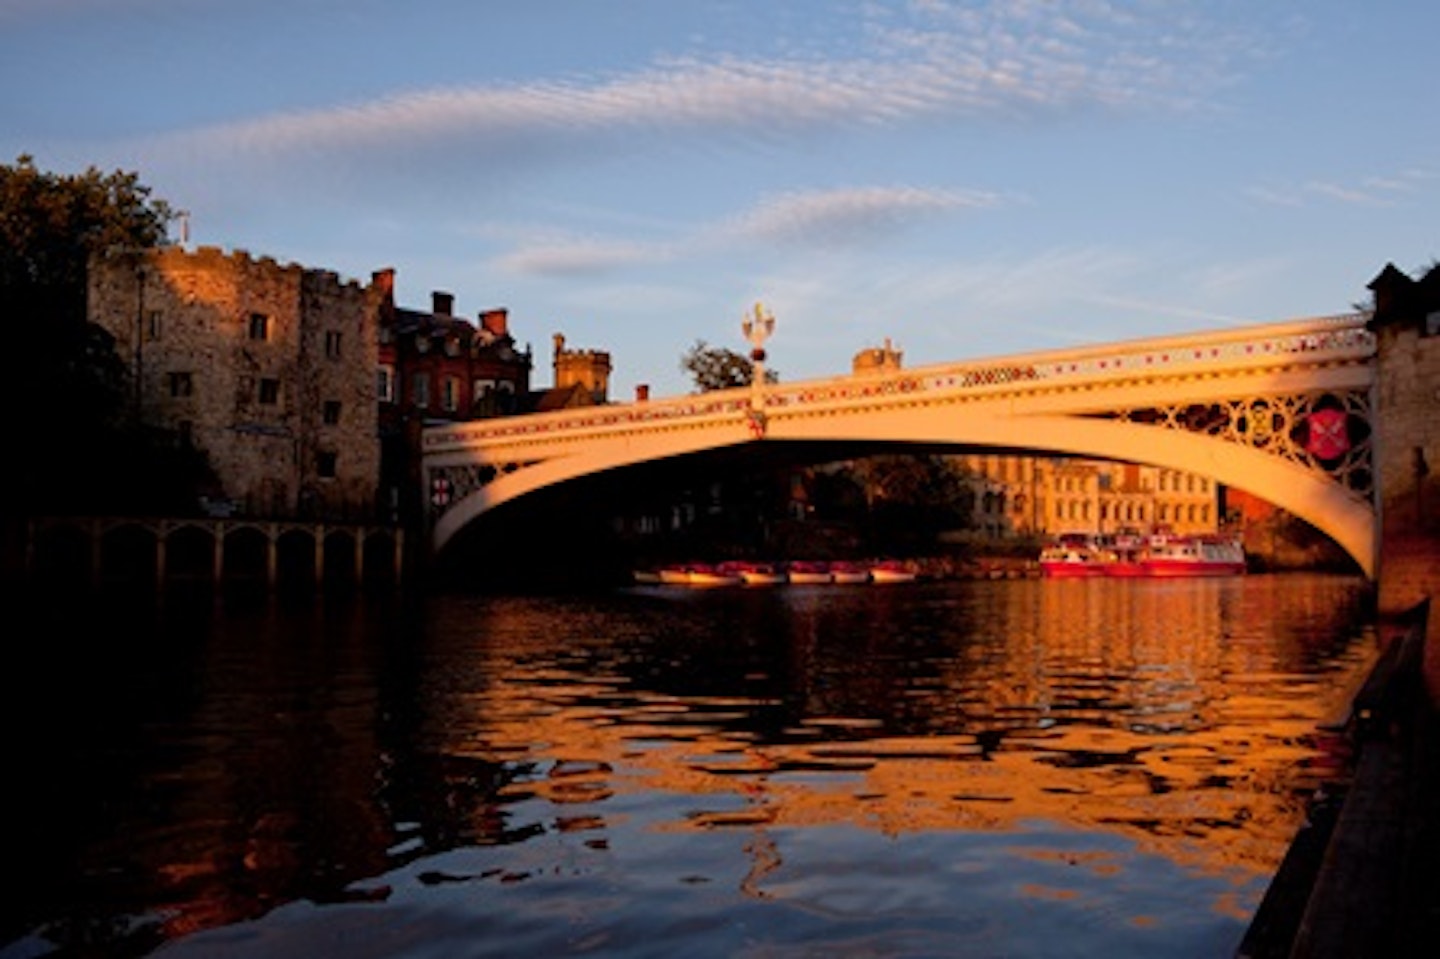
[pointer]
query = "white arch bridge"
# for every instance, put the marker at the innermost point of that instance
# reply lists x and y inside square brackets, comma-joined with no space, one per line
[1283,411]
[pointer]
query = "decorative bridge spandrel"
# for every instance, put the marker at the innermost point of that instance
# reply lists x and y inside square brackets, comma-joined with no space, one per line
[1280,410]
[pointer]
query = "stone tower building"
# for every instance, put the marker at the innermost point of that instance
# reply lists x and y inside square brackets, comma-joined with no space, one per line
[1406,323]
[270,369]
[587,369]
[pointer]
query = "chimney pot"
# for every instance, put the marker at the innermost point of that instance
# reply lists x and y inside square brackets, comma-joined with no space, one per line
[495,322]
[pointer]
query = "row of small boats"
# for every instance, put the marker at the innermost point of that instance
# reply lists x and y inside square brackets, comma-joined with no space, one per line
[740,573]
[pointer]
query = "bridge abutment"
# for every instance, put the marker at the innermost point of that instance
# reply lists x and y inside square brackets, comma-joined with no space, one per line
[1406,324]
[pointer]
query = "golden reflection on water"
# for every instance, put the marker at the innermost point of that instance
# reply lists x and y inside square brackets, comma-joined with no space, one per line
[1185,716]
[315,755]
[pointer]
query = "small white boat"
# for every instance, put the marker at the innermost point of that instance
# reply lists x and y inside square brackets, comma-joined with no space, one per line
[849,573]
[808,573]
[675,575]
[761,574]
[892,571]
[704,575]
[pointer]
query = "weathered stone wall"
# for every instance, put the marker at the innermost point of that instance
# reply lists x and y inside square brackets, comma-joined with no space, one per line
[255,404]
[1408,464]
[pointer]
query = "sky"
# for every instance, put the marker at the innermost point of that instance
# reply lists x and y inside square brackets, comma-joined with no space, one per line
[965,179]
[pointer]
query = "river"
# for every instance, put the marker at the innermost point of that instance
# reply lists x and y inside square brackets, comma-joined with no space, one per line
[995,768]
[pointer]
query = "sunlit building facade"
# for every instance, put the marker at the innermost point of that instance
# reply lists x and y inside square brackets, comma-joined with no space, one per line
[1038,496]
[267,367]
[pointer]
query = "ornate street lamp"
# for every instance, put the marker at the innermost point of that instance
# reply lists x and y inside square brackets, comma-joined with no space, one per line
[757,327]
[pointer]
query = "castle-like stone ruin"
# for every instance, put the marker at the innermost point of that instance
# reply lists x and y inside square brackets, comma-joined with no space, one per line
[269,368]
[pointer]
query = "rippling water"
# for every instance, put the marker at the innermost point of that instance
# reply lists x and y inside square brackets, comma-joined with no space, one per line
[1017,768]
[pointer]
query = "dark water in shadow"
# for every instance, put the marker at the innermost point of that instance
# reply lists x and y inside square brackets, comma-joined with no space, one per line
[1026,768]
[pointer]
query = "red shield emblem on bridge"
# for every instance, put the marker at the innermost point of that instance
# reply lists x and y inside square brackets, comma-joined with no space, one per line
[1329,437]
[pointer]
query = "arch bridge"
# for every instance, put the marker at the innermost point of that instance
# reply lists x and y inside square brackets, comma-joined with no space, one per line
[1281,410]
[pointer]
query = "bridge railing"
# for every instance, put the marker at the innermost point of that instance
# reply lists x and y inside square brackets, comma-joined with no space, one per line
[1318,339]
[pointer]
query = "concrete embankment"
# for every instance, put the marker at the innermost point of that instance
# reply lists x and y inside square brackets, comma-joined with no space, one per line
[1362,878]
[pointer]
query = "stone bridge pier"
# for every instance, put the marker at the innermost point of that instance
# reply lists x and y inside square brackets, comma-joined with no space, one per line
[1406,324]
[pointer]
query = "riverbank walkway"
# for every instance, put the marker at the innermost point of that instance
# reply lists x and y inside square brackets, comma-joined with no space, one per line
[1362,878]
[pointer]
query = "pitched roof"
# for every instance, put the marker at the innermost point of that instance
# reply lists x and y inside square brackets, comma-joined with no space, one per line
[559,398]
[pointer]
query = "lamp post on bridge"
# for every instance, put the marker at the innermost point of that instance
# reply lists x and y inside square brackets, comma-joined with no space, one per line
[757,327]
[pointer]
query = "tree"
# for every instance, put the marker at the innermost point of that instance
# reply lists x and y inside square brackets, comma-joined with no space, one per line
[911,497]
[51,223]
[67,384]
[716,368]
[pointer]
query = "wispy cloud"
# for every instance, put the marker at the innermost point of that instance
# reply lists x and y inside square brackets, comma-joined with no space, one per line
[571,256]
[1385,189]
[930,59]
[801,219]
[849,215]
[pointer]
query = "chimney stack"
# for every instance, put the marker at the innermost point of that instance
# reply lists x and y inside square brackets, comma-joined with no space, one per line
[384,281]
[442,304]
[495,322]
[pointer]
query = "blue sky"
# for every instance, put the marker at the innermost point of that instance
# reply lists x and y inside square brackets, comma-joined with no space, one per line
[968,179]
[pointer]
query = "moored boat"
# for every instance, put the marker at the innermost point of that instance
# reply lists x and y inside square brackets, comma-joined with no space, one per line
[1193,556]
[761,574]
[1161,554]
[1122,554]
[701,574]
[846,572]
[808,572]
[1071,556]
[892,571]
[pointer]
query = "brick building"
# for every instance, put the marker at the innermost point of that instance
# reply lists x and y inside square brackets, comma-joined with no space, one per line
[435,366]
[442,366]
[268,368]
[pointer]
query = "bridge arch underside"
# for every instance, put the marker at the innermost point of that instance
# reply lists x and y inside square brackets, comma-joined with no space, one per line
[1310,494]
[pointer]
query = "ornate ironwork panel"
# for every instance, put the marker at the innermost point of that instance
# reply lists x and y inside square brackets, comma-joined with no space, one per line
[451,484]
[1329,432]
